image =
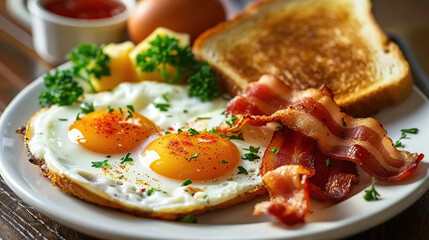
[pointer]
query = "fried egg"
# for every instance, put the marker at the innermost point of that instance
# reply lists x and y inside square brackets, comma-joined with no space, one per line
[149,148]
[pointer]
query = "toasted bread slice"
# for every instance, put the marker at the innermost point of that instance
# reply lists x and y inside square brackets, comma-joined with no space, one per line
[310,43]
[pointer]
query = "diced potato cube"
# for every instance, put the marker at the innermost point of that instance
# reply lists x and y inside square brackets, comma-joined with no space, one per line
[121,67]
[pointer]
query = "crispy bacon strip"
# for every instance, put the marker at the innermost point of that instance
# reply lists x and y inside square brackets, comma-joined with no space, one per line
[293,149]
[289,202]
[333,182]
[330,182]
[314,113]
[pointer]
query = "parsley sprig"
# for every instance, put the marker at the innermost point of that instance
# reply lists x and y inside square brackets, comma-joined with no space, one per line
[61,89]
[203,84]
[404,132]
[166,51]
[89,60]
[371,194]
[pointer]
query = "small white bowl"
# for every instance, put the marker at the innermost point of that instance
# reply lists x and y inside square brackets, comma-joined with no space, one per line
[54,35]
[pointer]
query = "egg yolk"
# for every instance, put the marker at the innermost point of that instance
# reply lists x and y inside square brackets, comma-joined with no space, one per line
[205,156]
[111,132]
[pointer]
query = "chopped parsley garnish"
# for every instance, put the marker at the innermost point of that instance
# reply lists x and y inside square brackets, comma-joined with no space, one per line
[165,97]
[193,132]
[223,112]
[193,157]
[126,158]
[251,155]
[63,119]
[224,161]
[167,132]
[230,119]
[329,162]
[404,132]
[410,130]
[61,89]
[203,118]
[150,191]
[100,164]
[274,150]
[187,182]
[213,130]
[185,111]
[398,143]
[163,107]
[109,109]
[120,110]
[372,194]
[242,170]
[232,137]
[87,107]
[164,52]
[252,149]
[120,177]
[78,116]
[128,114]
[89,60]
[188,219]
[131,107]
[179,130]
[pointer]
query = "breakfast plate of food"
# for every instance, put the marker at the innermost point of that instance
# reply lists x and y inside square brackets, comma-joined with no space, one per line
[223,140]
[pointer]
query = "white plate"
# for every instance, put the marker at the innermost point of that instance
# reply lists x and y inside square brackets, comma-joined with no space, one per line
[326,222]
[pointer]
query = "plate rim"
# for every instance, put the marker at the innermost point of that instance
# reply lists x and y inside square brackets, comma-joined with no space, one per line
[354,226]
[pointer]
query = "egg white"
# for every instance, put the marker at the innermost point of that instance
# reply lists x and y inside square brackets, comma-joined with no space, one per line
[130,183]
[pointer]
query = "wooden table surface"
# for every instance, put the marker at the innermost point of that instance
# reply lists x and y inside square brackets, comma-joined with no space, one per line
[19,65]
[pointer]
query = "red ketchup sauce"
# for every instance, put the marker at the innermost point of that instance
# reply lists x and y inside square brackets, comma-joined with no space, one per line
[85,9]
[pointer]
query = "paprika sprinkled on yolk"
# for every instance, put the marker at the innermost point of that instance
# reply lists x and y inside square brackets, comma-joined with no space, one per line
[113,132]
[205,156]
